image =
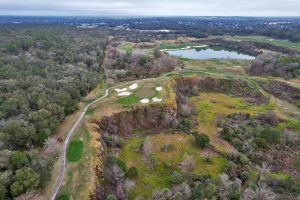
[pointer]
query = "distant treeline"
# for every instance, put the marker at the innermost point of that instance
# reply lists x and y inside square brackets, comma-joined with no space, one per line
[276,27]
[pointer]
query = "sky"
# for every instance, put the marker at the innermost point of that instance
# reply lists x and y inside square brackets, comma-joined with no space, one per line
[150,7]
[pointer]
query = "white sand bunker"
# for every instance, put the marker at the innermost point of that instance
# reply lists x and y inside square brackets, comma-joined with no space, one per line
[145,101]
[155,99]
[121,90]
[158,88]
[124,94]
[133,86]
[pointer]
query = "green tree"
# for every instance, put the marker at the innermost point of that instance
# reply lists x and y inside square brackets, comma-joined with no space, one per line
[3,192]
[132,172]
[202,140]
[19,159]
[18,134]
[25,180]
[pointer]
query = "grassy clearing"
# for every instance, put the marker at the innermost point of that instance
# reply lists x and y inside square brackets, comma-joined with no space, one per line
[158,175]
[74,152]
[211,105]
[176,46]
[126,47]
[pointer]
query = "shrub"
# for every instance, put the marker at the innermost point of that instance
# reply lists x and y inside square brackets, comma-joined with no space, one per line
[111,197]
[261,142]
[202,140]
[245,176]
[243,159]
[114,160]
[202,191]
[177,178]
[132,172]
[271,135]
[185,125]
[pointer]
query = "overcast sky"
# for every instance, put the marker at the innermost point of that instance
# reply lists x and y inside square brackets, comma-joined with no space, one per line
[152,7]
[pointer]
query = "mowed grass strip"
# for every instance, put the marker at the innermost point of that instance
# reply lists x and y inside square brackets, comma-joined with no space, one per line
[74,152]
[129,100]
[63,197]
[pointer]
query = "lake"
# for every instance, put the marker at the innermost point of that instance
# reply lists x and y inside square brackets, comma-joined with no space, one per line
[202,54]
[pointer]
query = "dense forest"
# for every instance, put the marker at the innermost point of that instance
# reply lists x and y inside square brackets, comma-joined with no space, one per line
[44,72]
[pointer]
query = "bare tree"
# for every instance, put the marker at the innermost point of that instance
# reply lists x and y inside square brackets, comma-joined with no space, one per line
[260,193]
[147,148]
[226,185]
[185,110]
[184,189]
[187,163]
[262,172]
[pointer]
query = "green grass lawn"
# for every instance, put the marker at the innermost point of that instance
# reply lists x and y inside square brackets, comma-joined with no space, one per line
[74,152]
[129,100]
[63,197]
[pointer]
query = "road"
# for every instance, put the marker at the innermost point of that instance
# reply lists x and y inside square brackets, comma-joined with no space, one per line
[62,169]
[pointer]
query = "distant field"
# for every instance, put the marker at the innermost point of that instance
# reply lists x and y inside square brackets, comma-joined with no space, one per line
[278,42]
[176,46]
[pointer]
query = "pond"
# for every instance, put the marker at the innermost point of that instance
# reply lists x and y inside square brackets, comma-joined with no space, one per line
[208,53]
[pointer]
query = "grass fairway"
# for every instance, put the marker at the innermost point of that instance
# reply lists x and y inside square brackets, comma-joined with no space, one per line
[176,46]
[129,100]
[75,150]
[146,91]
[263,39]
[158,175]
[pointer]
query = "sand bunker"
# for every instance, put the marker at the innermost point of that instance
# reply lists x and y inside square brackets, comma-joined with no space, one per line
[133,86]
[158,88]
[145,101]
[124,94]
[121,90]
[155,99]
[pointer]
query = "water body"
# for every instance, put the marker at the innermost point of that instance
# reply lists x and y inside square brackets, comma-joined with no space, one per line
[208,53]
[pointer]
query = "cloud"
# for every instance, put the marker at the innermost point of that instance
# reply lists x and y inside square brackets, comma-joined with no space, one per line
[151,8]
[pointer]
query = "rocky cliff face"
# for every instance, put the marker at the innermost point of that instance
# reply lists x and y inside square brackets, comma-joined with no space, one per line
[281,90]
